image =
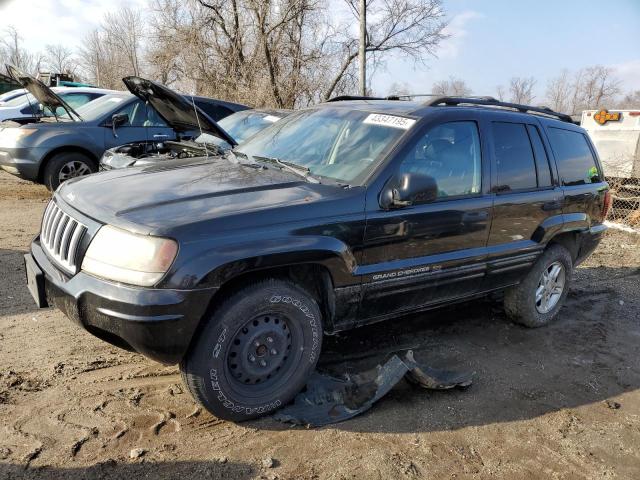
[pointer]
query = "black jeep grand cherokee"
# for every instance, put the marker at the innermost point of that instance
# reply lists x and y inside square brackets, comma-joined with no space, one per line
[342,214]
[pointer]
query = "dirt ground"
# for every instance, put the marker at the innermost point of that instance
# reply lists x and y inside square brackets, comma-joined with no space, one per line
[558,402]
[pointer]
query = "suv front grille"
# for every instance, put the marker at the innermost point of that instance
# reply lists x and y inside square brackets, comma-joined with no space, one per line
[60,236]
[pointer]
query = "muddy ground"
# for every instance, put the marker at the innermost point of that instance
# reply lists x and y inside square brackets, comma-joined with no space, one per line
[557,402]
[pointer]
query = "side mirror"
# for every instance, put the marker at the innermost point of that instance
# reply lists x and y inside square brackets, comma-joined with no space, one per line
[117,120]
[407,189]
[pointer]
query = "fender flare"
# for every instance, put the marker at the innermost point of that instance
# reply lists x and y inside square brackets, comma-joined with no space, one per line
[216,266]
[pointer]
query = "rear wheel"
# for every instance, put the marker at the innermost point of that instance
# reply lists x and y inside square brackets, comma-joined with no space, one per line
[256,352]
[66,165]
[538,298]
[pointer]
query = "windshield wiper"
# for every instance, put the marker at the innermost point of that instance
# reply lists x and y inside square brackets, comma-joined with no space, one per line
[299,170]
[235,157]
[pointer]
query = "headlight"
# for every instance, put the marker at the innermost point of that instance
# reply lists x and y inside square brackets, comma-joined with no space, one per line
[11,135]
[116,160]
[126,257]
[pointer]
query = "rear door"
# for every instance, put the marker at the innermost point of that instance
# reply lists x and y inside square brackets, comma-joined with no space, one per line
[527,198]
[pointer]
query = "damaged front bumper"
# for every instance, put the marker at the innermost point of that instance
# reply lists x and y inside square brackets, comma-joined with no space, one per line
[158,323]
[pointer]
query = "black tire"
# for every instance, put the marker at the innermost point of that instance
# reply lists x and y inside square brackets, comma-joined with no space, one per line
[223,368]
[60,161]
[520,301]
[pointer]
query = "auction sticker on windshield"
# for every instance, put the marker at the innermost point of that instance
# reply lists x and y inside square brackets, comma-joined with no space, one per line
[271,118]
[390,121]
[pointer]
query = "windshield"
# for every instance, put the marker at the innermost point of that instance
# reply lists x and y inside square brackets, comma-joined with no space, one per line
[100,107]
[245,124]
[331,142]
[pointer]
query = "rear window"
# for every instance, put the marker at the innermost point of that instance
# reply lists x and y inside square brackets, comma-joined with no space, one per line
[515,164]
[216,112]
[576,163]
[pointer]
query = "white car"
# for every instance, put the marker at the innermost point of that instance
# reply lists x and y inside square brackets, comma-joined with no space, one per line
[5,97]
[25,106]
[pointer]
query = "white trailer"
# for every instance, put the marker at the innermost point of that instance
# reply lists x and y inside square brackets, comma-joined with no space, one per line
[616,135]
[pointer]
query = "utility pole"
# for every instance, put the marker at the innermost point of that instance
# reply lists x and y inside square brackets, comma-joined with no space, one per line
[363,53]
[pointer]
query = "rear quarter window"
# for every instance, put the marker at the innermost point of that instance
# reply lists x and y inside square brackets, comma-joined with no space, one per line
[216,112]
[576,163]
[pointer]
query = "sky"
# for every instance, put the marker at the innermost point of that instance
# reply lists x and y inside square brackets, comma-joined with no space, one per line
[490,40]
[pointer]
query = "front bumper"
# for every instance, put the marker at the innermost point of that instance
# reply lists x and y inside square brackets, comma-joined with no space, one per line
[22,162]
[158,323]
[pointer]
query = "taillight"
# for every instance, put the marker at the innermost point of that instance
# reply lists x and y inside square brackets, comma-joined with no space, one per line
[607,204]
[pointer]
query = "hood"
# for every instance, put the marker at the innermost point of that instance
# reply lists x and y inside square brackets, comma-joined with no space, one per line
[160,199]
[174,108]
[43,94]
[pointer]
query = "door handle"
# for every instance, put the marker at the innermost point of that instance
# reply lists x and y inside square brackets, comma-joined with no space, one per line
[160,135]
[552,205]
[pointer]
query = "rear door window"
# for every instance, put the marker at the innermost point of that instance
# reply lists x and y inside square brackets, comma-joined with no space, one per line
[542,161]
[515,163]
[576,163]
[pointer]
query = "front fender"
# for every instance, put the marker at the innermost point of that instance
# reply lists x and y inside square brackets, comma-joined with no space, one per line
[221,263]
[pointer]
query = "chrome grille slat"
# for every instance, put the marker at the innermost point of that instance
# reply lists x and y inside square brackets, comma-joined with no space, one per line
[64,243]
[60,236]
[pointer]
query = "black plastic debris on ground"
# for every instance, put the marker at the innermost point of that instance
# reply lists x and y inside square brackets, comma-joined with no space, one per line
[328,399]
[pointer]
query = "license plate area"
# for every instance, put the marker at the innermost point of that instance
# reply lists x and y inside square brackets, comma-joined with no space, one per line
[35,281]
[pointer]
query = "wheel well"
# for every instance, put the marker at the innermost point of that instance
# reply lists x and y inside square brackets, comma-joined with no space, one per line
[313,278]
[58,150]
[568,240]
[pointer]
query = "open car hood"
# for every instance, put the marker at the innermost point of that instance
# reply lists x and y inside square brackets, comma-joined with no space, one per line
[174,108]
[43,94]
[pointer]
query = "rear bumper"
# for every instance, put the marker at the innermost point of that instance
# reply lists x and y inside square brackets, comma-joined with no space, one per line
[158,323]
[589,241]
[22,162]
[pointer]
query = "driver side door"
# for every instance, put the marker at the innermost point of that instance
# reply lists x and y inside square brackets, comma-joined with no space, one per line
[137,128]
[431,251]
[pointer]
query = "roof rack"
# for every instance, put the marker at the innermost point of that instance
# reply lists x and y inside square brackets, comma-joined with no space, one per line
[342,98]
[492,102]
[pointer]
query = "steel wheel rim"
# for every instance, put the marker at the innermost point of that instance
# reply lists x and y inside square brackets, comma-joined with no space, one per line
[73,169]
[247,375]
[550,287]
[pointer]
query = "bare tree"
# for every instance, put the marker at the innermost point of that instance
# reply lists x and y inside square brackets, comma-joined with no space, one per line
[596,88]
[12,52]
[114,49]
[588,88]
[521,89]
[559,92]
[412,28]
[501,93]
[630,100]
[400,88]
[61,59]
[124,31]
[452,87]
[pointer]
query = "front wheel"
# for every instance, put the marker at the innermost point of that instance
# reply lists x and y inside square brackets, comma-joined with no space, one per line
[256,352]
[538,298]
[66,165]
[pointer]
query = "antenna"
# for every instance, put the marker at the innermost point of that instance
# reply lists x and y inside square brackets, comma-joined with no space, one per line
[206,150]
